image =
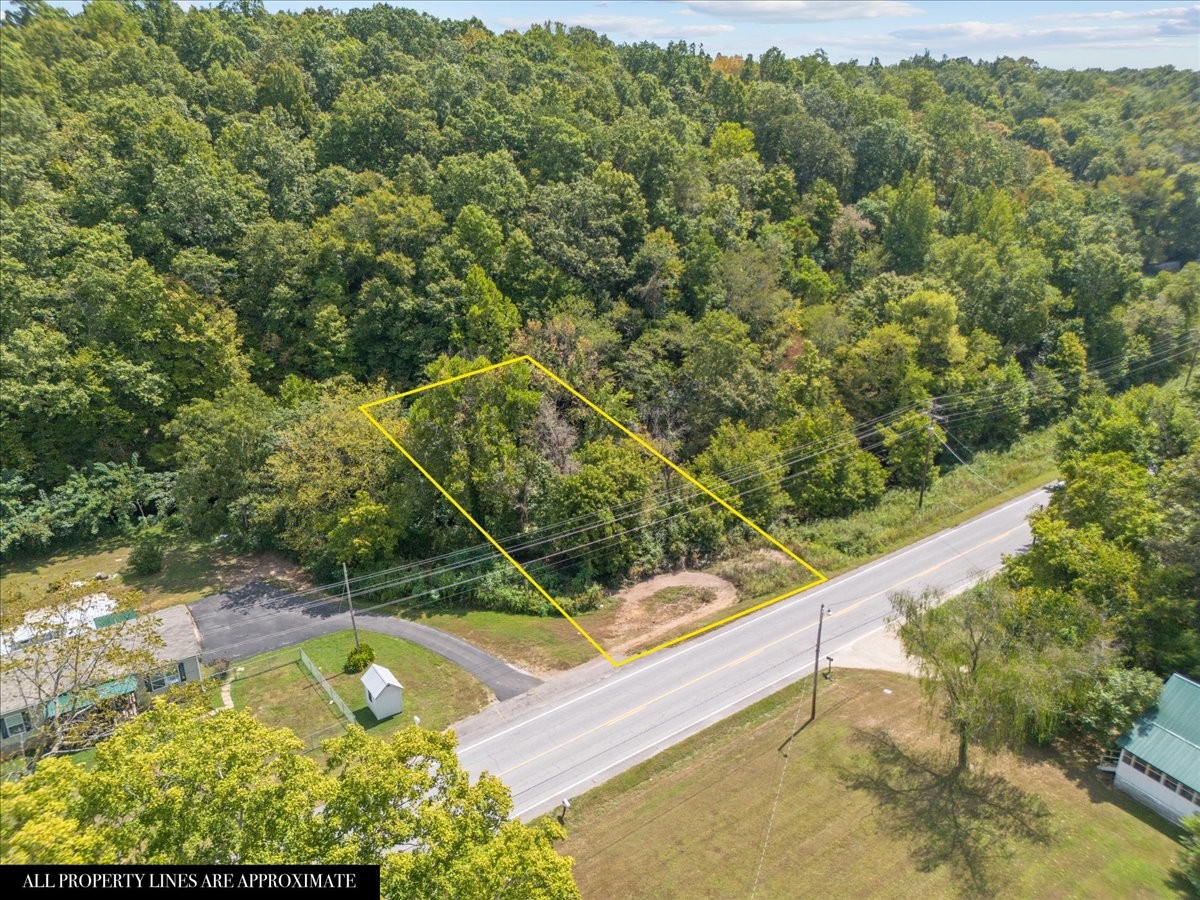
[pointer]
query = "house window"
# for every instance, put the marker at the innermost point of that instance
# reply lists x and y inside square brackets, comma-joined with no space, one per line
[1138,765]
[163,680]
[1169,783]
[1127,757]
[14,724]
[1187,794]
[1152,773]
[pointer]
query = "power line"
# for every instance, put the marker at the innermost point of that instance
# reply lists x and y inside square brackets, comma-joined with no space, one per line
[824,446]
[460,587]
[438,593]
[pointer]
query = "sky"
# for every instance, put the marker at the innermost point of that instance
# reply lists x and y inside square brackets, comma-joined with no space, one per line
[1056,33]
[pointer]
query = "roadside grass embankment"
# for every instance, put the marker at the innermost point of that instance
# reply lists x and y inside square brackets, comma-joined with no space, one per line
[691,821]
[832,546]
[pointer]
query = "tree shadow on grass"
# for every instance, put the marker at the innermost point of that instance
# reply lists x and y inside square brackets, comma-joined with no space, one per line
[965,820]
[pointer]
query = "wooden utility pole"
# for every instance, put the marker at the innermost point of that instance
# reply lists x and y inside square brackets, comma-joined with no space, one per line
[1192,364]
[817,663]
[930,437]
[925,468]
[350,600]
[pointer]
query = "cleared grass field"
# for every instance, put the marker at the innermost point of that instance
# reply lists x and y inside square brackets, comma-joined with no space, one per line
[691,821]
[280,692]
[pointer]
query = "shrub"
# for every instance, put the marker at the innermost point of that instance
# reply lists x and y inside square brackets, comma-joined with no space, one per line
[220,668]
[588,599]
[1189,857]
[359,658]
[500,591]
[146,557]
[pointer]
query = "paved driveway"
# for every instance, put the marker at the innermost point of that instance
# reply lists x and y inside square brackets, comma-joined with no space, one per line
[259,617]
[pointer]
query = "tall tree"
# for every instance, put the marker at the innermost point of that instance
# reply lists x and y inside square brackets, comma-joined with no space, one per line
[911,219]
[181,785]
[221,447]
[993,690]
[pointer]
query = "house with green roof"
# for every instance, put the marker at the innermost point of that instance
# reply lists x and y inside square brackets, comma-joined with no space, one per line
[1160,755]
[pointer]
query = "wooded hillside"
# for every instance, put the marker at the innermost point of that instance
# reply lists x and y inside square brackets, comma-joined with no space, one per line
[224,229]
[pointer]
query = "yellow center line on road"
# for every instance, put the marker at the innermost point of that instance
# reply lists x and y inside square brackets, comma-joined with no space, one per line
[925,572]
[737,662]
[636,709]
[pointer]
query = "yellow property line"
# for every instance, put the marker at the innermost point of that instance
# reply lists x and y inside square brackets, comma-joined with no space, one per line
[818,579]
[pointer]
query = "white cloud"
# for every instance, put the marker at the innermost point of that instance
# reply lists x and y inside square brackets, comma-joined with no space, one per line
[645,27]
[803,10]
[1017,34]
[1161,13]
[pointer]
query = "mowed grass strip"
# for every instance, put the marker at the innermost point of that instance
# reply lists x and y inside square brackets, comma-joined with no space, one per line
[278,690]
[834,546]
[537,643]
[548,643]
[690,822]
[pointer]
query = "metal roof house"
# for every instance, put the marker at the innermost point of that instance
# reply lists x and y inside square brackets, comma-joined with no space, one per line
[385,695]
[23,693]
[1160,755]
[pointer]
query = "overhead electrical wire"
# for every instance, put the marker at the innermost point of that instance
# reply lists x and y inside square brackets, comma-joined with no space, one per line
[824,446]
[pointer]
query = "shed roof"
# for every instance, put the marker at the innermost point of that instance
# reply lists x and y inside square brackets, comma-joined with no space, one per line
[377,677]
[1168,737]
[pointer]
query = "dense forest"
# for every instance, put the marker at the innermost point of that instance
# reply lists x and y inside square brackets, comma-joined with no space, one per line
[223,230]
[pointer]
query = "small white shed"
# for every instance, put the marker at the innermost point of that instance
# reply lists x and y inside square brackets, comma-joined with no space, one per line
[385,695]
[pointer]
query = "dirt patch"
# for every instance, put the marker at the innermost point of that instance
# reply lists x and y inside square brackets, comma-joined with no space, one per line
[234,571]
[664,603]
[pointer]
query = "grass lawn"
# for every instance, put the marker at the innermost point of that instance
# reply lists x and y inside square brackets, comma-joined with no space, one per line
[280,692]
[544,644]
[192,569]
[679,599]
[691,821]
[538,643]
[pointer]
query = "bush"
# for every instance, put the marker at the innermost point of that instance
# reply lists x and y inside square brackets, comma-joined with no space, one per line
[588,599]
[500,591]
[1189,857]
[358,659]
[146,557]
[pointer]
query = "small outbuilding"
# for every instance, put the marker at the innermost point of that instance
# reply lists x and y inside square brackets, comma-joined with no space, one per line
[385,695]
[1160,756]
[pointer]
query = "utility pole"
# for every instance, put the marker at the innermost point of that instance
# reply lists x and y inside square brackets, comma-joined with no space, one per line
[929,436]
[817,663]
[350,600]
[925,468]
[1192,364]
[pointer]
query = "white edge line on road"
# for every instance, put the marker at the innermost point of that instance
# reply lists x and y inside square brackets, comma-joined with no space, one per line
[767,687]
[838,581]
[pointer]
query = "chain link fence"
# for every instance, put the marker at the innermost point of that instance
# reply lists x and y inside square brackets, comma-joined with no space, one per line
[334,697]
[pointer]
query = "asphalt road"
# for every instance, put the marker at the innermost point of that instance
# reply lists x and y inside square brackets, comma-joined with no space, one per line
[258,617]
[568,735]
